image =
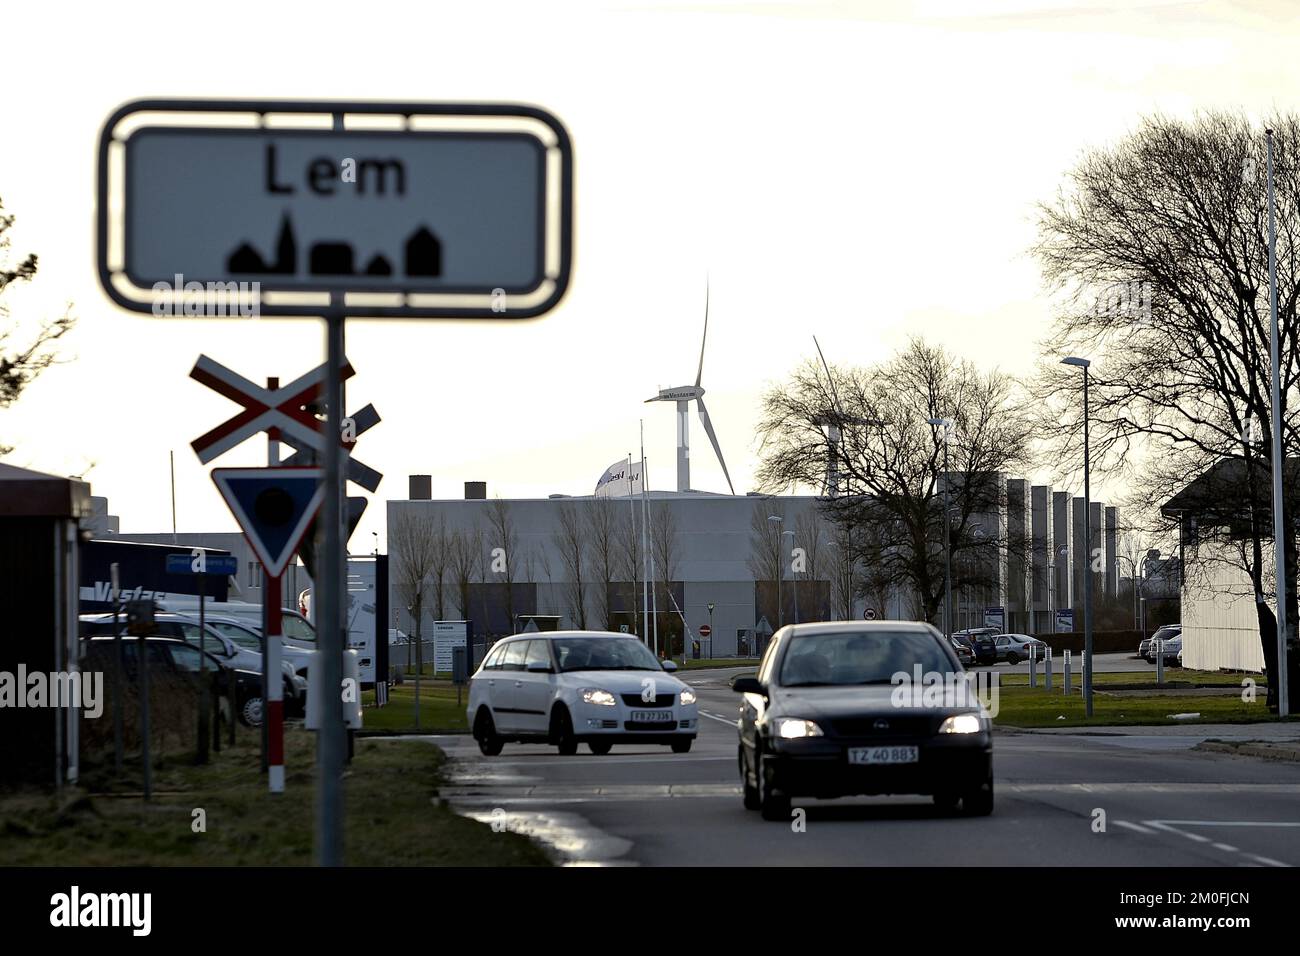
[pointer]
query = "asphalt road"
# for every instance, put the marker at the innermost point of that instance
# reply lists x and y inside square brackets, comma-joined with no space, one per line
[1164,804]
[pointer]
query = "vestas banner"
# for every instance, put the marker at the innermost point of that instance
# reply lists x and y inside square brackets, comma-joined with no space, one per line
[142,572]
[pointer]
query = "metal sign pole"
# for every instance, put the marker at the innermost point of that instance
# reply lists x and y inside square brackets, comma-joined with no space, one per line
[330,740]
[273,680]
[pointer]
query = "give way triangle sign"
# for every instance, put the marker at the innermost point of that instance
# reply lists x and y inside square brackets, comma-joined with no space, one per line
[273,506]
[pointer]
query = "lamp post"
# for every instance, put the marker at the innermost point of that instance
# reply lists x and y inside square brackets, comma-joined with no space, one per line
[710,630]
[780,571]
[1084,364]
[946,425]
[794,579]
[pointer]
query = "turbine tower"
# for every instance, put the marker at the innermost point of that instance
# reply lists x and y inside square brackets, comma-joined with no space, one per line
[683,395]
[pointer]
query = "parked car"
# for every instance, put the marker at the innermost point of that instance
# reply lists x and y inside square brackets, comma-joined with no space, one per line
[249,636]
[983,642]
[1014,648]
[245,654]
[1165,633]
[170,656]
[570,687]
[1173,651]
[964,652]
[821,719]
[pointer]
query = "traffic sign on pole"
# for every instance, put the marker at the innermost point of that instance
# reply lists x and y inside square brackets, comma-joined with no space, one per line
[417,210]
[273,506]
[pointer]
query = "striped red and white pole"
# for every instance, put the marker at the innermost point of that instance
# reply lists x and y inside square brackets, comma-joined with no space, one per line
[274,715]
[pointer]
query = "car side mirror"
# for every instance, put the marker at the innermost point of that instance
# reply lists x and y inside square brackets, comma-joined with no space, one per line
[669,665]
[748,685]
[538,667]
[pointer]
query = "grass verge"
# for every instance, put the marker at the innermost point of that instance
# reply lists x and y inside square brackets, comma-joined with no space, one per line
[1023,706]
[393,817]
[439,712]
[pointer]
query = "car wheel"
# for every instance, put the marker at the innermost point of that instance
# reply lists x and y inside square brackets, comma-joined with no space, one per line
[562,732]
[681,746]
[485,732]
[250,715]
[600,747]
[772,803]
[750,793]
[979,802]
[1013,658]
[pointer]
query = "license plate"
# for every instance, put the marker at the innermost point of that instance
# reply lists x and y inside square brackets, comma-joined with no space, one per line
[651,716]
[880,755]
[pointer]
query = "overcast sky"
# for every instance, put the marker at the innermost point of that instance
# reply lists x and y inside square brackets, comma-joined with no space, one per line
[860,171]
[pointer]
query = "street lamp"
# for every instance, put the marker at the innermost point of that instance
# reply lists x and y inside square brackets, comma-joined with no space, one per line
[794,580]
[1084,364]
[946,425]
[780,571]
[710,630]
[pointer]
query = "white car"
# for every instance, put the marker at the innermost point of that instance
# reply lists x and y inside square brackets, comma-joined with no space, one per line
[571,687]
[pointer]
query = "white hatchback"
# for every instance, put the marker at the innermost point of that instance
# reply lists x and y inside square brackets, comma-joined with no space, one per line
[571,687]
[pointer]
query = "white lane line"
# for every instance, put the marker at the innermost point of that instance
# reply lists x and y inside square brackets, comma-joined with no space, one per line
[1225,848]
[1266,860]
[1134,826]
[724,720]
[1160,825]
[1231,823]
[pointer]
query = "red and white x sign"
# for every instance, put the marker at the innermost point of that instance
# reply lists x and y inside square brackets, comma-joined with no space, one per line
[264,408]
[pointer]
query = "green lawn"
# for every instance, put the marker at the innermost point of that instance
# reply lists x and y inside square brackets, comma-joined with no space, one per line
[692,665]
[1023,706]
[439,712]
[1173,678]
[392,816]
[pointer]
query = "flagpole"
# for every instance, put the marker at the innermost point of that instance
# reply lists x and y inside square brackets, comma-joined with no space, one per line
[645,551]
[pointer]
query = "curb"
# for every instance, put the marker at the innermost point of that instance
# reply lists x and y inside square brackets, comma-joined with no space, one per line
[1251,748]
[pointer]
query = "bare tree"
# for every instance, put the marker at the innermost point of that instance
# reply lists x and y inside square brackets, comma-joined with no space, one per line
[602,540]
[19,366]
[466,550]
[441,566]
[891,461]
[766,555]
[1159,247]
[631,565]
[664,549]
[412,542]
[571,542]
[502,534]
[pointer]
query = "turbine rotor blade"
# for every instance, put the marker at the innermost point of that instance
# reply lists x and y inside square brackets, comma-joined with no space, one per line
[700,374]
[834,394]
[708,430]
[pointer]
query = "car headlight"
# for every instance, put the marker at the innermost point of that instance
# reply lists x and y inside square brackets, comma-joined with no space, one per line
[791,728]
[594,695]
[962,724]
[687,696]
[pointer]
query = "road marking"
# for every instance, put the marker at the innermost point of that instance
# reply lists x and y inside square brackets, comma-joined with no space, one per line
[725,720]
[1231,823]
[1159,825]
[1134,826]
[1225,848]
[1266,860]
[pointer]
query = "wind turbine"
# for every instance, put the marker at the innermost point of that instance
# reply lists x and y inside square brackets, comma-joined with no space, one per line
[683,395]
[833,420]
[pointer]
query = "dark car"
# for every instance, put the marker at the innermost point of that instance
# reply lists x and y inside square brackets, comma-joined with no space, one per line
[982,642]
[173,657]
[835,711]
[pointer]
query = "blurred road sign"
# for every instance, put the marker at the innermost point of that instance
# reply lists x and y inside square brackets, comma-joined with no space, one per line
[222,565]
[869,614]
[417,210]
[705,630]
[307,547]
[273,506]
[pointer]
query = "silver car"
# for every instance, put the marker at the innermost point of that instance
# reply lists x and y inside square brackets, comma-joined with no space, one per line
[1014,648]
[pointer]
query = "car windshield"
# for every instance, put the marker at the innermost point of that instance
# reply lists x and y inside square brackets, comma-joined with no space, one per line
[874,657]
[604,654]
[241,636]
